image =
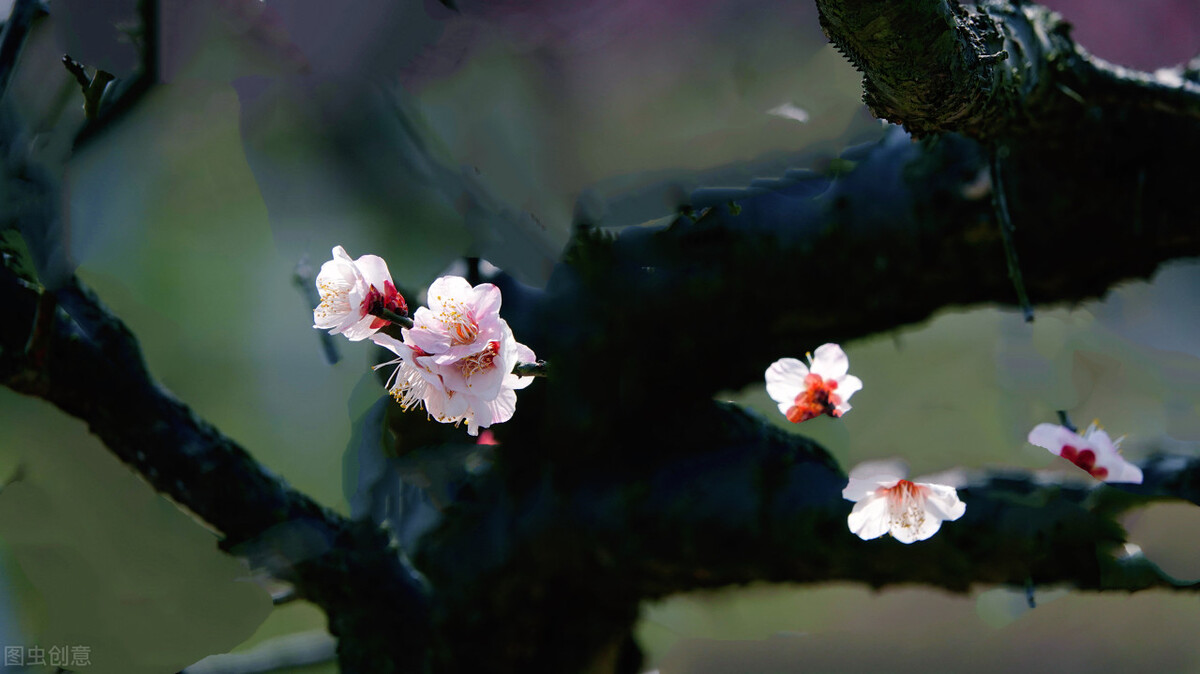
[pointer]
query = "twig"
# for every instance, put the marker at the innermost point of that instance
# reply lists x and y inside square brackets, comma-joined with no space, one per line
[93,87]
[291,651]
[391,316]
[1006,235]
[304,279]
[1064,420]
[538,369]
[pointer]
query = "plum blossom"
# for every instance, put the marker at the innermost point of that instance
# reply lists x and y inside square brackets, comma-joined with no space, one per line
[458,357]
[417,382]
[1094,451]
[885,502]
[822,387]
[351,290]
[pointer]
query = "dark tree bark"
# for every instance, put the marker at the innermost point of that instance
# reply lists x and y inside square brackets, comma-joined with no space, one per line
[620,480]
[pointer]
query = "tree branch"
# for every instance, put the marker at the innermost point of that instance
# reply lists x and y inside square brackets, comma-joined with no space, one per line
[987,70]
[93,370]
[746,502]
[20,18]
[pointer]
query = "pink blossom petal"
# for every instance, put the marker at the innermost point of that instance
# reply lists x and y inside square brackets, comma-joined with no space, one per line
[525,354]
[390,343]
[503,406]
[446,291]
[360,329]
[486,299]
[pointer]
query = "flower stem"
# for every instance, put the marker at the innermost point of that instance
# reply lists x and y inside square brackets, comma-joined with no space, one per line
[389,315]
[1064,420]
[538,369]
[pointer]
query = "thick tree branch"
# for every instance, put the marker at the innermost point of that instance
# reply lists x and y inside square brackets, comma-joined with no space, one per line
[811,259]
[93,370]
[988,70]
[745,502]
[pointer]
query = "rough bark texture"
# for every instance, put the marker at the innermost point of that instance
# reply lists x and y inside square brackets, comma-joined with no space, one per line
[601,495]
[88,364]
[996,70]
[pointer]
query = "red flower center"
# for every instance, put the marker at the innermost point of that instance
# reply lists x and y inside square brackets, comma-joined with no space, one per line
[1085,459]
[479,362]
[816,399]
[903,491]
[389,299]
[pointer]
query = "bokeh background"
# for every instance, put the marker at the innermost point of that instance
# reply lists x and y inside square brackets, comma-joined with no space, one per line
[422,134]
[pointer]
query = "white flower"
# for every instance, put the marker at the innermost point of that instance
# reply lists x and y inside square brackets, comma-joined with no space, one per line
[805,392]
[417,382]
[350,290]
[1094,451]
[458,357]
[885,502]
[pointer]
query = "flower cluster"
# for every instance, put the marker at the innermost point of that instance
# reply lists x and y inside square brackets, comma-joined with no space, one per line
[885,502]
[456,359]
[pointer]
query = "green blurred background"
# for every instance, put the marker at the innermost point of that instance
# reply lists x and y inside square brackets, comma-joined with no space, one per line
[283,130]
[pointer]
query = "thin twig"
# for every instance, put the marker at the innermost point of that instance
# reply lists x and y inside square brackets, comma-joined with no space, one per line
[1006,235]
[538,369]
[303,278]
[93,87]
[1065,421]
[389,315]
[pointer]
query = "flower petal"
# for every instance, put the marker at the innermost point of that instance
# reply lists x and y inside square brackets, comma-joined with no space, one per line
[448,290]
[360,329]
[942,502]
[1100,441]
[374,270]
[882,471]
[830,361]
[848,386]
[911,534]
[390,343]
[785,381]
[1053,437]
[524,353]
[486,299]
[1120,470]
[869,518]
[869,477]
